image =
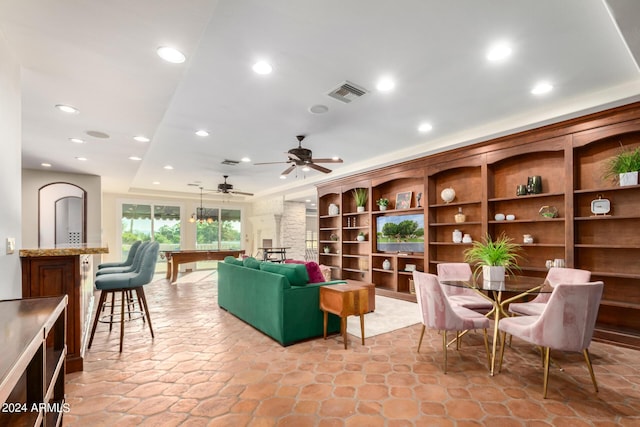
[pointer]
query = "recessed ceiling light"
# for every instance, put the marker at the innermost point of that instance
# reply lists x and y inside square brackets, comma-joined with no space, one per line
[313,204]
[67,109]
[82,159]
[135,158]
[168,167]
[45,165]
[262,67]
[156,182]
[425,127]
[318,109]
[498,52]
[170,54]
[202,132]
[98,134]
[283,176]
[307,201]
[141,138]
[77,140]
[245,159]
[306,169]
[542,88]
[385,84]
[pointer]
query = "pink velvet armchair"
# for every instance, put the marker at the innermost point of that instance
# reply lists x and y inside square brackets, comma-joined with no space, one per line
[463,297]
[437,313]
[566,323]
[554,277]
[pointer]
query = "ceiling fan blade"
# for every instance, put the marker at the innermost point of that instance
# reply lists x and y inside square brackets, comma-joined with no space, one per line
[326,160]
[269,163]
[242,193]
[289,169]
[294,157]
[318,168]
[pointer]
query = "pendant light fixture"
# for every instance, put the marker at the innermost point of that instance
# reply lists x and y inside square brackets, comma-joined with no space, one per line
[200,214]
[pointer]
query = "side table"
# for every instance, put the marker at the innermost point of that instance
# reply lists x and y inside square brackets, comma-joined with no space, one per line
[344,300]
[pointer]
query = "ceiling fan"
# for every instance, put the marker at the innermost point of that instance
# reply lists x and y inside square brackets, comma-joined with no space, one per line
[224,188]
[303,157]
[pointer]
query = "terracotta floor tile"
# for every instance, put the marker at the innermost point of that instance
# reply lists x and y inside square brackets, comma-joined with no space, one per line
[207,368]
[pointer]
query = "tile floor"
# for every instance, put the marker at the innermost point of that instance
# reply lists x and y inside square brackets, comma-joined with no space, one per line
[207,368]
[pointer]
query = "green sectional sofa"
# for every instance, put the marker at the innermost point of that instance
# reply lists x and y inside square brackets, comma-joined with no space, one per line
[274,298]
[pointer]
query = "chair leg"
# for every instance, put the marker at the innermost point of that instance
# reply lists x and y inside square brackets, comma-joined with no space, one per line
[546,372]
[444,350]
[486,347]
[113,300]
[587,359]
[421,336]
[123,296]
[503,339]
[103,296]
[143,298]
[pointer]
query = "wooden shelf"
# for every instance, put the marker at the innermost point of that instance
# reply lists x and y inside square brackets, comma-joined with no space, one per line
[528,196]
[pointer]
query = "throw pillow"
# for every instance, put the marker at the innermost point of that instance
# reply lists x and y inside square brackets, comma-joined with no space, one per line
[251,262]
[315,275]
[296,274]
[232,260]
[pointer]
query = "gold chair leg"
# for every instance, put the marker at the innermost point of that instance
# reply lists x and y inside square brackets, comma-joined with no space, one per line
[546,372]
[593,375]
[503,340]
[458,340]
[421,336]
[444,349]
[486,347]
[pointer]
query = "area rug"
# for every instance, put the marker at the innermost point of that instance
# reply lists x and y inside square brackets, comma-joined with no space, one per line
[390,314]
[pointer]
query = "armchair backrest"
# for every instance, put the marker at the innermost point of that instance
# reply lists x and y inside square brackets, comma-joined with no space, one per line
[563,275]
[455,271]
[147,265]
[569,318]
[433,303]
[132,253]
[137,259]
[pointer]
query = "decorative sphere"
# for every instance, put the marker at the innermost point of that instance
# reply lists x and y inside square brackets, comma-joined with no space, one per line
[448,194]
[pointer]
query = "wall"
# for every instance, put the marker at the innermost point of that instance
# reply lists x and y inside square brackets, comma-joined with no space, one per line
[33,180]
[10,164]
[282,222]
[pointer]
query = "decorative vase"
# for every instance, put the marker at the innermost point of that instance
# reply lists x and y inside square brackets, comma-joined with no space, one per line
[383,207]
[459,217]
[333,209]
[628,178]
[386,265]
[360,238]
[527,239]
[448,194]
[326,250]
[467,238]
[457,236]
[534,184]
[360,209]
[493,273]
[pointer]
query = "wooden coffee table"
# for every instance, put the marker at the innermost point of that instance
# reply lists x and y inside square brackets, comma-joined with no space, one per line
[344,300]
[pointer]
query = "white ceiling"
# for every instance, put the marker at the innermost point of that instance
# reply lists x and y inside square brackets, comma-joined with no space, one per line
[99,56]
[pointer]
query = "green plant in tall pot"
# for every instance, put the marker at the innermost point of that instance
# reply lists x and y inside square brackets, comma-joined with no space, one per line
[624,167]
[494,257]
[360,196]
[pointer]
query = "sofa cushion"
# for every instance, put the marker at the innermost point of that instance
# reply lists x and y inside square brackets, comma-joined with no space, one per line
[232,260]
[315,274]
[251,262]
[296,274]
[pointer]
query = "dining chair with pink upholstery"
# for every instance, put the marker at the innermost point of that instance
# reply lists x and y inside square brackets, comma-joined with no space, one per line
[554,276]
[437,313]
[457,295]
[566,323]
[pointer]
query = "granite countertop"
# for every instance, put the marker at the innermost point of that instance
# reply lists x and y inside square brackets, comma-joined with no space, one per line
[66,250]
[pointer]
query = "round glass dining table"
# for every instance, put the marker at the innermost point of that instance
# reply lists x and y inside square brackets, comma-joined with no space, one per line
[516,287]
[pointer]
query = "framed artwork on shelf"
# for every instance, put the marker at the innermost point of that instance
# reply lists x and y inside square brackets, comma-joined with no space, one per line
[403,200]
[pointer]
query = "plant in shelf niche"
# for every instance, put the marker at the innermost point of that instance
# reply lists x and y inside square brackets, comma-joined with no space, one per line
[624,167]
[360,195]
[361,236]
[326,249]
[494,257]
[382,203]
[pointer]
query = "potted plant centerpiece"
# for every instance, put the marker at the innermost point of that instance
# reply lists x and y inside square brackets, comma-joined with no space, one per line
[624,167]
[360,237]
[360,195]
[382,203]
[494,257]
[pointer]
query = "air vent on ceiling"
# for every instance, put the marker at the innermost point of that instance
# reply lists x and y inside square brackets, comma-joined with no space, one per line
[230,162]
[347,92]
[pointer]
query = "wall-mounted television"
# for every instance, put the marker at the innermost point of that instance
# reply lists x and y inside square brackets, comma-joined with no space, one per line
[400,233]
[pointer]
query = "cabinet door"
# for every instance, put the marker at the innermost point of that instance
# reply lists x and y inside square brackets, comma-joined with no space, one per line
[57,276]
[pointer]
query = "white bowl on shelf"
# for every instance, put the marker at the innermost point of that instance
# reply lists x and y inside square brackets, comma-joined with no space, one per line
[499,217]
